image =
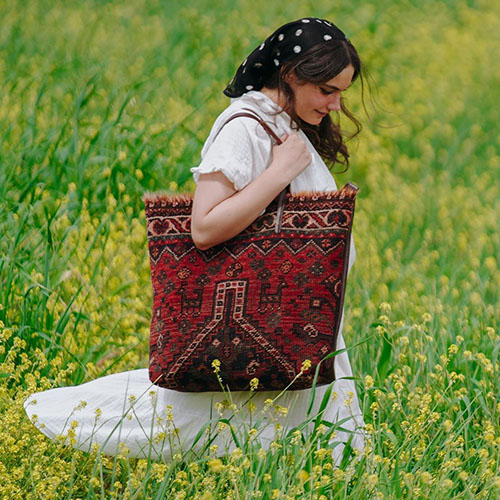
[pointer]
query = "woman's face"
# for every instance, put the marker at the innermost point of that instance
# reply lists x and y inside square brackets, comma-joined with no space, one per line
[314,101]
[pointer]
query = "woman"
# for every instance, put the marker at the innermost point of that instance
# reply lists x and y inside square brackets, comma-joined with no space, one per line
[292,80]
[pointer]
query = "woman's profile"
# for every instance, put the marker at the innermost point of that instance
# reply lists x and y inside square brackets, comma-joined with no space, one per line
[293,80]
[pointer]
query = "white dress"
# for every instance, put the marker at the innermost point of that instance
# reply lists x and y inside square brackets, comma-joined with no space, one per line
[124,411]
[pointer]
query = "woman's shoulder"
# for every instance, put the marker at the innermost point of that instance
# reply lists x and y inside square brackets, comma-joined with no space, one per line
[253,101]
[256,101]
[240,148]
[240,129]
[246,128]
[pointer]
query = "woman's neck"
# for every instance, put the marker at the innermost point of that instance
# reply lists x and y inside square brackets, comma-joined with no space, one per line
[273,95]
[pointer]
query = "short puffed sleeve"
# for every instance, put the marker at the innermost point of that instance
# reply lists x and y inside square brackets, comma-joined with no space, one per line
[240,151]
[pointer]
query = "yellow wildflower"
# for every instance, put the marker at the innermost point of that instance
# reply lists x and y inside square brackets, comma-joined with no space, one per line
[372,480]
[306,364]
[490,332]
[216,365]
[215,465]
[426,477]
[385,307]
[207,496]
[158,471]
[339,474]
[303,475]
[447,424]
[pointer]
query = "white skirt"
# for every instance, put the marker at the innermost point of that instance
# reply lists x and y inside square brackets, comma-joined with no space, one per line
[126,413]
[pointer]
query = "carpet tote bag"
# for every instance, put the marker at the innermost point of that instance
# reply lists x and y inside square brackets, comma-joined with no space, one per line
[256,306]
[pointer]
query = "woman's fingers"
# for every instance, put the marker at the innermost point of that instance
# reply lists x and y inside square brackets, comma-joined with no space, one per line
[292,155]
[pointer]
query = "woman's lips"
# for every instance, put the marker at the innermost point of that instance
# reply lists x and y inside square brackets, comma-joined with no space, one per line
[321,113]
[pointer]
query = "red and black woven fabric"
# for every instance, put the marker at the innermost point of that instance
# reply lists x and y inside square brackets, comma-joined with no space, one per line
[261,303]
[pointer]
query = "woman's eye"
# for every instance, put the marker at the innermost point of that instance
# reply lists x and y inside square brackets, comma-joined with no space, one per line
[328,91]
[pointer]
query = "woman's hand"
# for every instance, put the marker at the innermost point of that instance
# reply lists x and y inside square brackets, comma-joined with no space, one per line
[291,157]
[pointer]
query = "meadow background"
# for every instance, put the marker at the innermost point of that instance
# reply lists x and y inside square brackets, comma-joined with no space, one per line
[100,101]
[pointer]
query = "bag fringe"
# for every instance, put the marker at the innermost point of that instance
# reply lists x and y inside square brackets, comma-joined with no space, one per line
[150,197]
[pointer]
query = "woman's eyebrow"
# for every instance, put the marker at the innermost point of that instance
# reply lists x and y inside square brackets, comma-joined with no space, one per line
[333,87]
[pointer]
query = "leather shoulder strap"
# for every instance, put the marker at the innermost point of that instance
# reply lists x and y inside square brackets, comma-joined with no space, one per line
[249,113]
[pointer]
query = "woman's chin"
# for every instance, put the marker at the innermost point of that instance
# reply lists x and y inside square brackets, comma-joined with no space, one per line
[314,121]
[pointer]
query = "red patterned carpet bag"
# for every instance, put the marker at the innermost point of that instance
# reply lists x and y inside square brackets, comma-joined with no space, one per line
[261,303]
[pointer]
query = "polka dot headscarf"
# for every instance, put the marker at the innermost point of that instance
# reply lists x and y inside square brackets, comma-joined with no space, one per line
[284,44]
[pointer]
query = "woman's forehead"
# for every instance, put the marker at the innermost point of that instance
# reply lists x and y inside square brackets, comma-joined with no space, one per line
[342,80]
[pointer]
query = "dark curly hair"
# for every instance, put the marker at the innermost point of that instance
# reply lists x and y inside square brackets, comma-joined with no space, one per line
[318,65]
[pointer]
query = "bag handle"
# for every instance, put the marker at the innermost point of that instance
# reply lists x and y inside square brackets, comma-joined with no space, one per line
[249,113]
[255,116]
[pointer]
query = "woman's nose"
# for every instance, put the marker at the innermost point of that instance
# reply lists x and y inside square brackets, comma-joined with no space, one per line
[334,104]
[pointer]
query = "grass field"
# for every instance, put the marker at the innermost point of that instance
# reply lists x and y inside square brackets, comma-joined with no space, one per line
[101,101]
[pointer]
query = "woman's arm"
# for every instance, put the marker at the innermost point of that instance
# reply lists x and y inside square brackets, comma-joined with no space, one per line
[220,212]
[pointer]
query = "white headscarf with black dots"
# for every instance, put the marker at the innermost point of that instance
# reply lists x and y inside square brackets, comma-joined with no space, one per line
[286,43]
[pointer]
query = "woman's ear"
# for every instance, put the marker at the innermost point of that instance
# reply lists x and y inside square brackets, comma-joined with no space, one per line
[290,77]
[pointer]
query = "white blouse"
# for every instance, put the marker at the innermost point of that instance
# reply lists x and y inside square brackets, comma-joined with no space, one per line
[242,150]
